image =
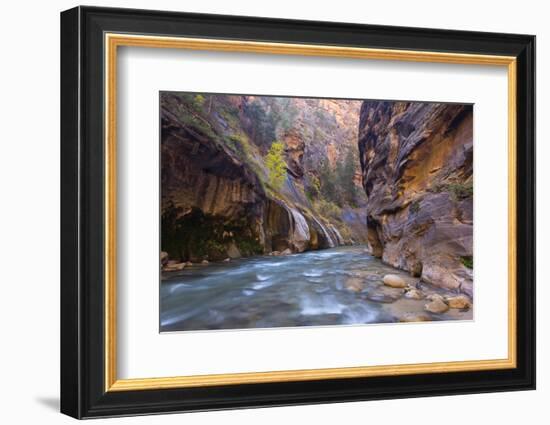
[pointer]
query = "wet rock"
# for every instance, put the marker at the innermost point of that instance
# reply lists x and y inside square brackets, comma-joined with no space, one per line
[173,267]
[414,294]
[435,296]
[163,258]
[233,251]
[188,263]
[227,260]
[460,302]
[394,281]
[415,317]
[416,269]
[300,236]
[437,305]
[287,227]
[286,252]
[354,285]
[384,294]
[275,253]
[204,262]
[337,236]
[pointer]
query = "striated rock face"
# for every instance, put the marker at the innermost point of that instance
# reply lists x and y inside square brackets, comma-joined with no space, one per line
[198,172]
[295,146]
[416,161]
[214,199]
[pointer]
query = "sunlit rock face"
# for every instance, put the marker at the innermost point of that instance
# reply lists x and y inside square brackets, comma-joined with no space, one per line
[417,172]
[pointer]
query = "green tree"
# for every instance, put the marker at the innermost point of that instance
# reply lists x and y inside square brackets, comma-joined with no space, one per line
[263,127]
[276,165]
[345,173]
[329,191]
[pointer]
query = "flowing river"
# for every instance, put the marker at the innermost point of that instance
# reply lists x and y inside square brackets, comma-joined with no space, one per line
[335,286]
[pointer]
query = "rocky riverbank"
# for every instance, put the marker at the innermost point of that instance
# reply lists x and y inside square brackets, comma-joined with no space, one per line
[417,168]
[343,285]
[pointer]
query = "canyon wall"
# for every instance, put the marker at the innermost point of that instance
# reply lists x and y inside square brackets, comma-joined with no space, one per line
[417,172]
[217,199]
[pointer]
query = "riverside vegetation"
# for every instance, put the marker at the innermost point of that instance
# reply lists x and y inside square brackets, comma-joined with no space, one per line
[300,211]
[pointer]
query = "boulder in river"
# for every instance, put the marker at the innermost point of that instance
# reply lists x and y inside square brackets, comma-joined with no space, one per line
[204,262]
[384,294]
[436,306]
[415,317]
[460,302]
[354,284]
[414,294]
[435,296]
[286,252]
[394,281]
[173,267]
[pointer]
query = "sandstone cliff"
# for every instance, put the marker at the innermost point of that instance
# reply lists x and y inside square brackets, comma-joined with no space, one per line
[416,161]
[217,200]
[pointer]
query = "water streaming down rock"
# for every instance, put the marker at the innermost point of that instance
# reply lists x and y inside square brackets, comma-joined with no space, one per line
[300,235]
[338,236]
[327,237]
[218,202]
[214,200]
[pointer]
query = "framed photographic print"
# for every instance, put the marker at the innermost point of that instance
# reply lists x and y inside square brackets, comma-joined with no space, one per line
[261,212]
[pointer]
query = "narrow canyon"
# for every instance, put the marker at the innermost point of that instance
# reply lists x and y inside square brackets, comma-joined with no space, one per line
[345,184]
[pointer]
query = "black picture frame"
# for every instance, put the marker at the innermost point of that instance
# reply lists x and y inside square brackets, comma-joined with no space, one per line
[83,392]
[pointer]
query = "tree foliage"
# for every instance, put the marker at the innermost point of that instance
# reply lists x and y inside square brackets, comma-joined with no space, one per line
[345,174]
[276,165]
[329,190]
[263,125]
[338,185]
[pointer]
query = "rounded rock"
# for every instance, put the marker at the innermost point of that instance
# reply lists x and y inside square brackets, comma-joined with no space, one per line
[414,294]
[173,267]
[354,285]
[415,317]
[394,281]
[436,306]
[460,302]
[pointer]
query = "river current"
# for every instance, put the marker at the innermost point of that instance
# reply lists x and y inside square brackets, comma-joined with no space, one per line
[328,287]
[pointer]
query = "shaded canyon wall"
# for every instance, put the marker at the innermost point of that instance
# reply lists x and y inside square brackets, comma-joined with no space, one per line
[215,202]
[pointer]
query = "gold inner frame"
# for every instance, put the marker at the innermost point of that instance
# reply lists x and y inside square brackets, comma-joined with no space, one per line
[113,41]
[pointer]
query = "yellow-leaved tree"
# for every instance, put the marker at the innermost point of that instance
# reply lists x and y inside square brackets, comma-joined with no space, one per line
[276,165]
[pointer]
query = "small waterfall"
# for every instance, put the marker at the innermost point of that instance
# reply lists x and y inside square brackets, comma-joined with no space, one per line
[327,235]
[339,237]
[300,234]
